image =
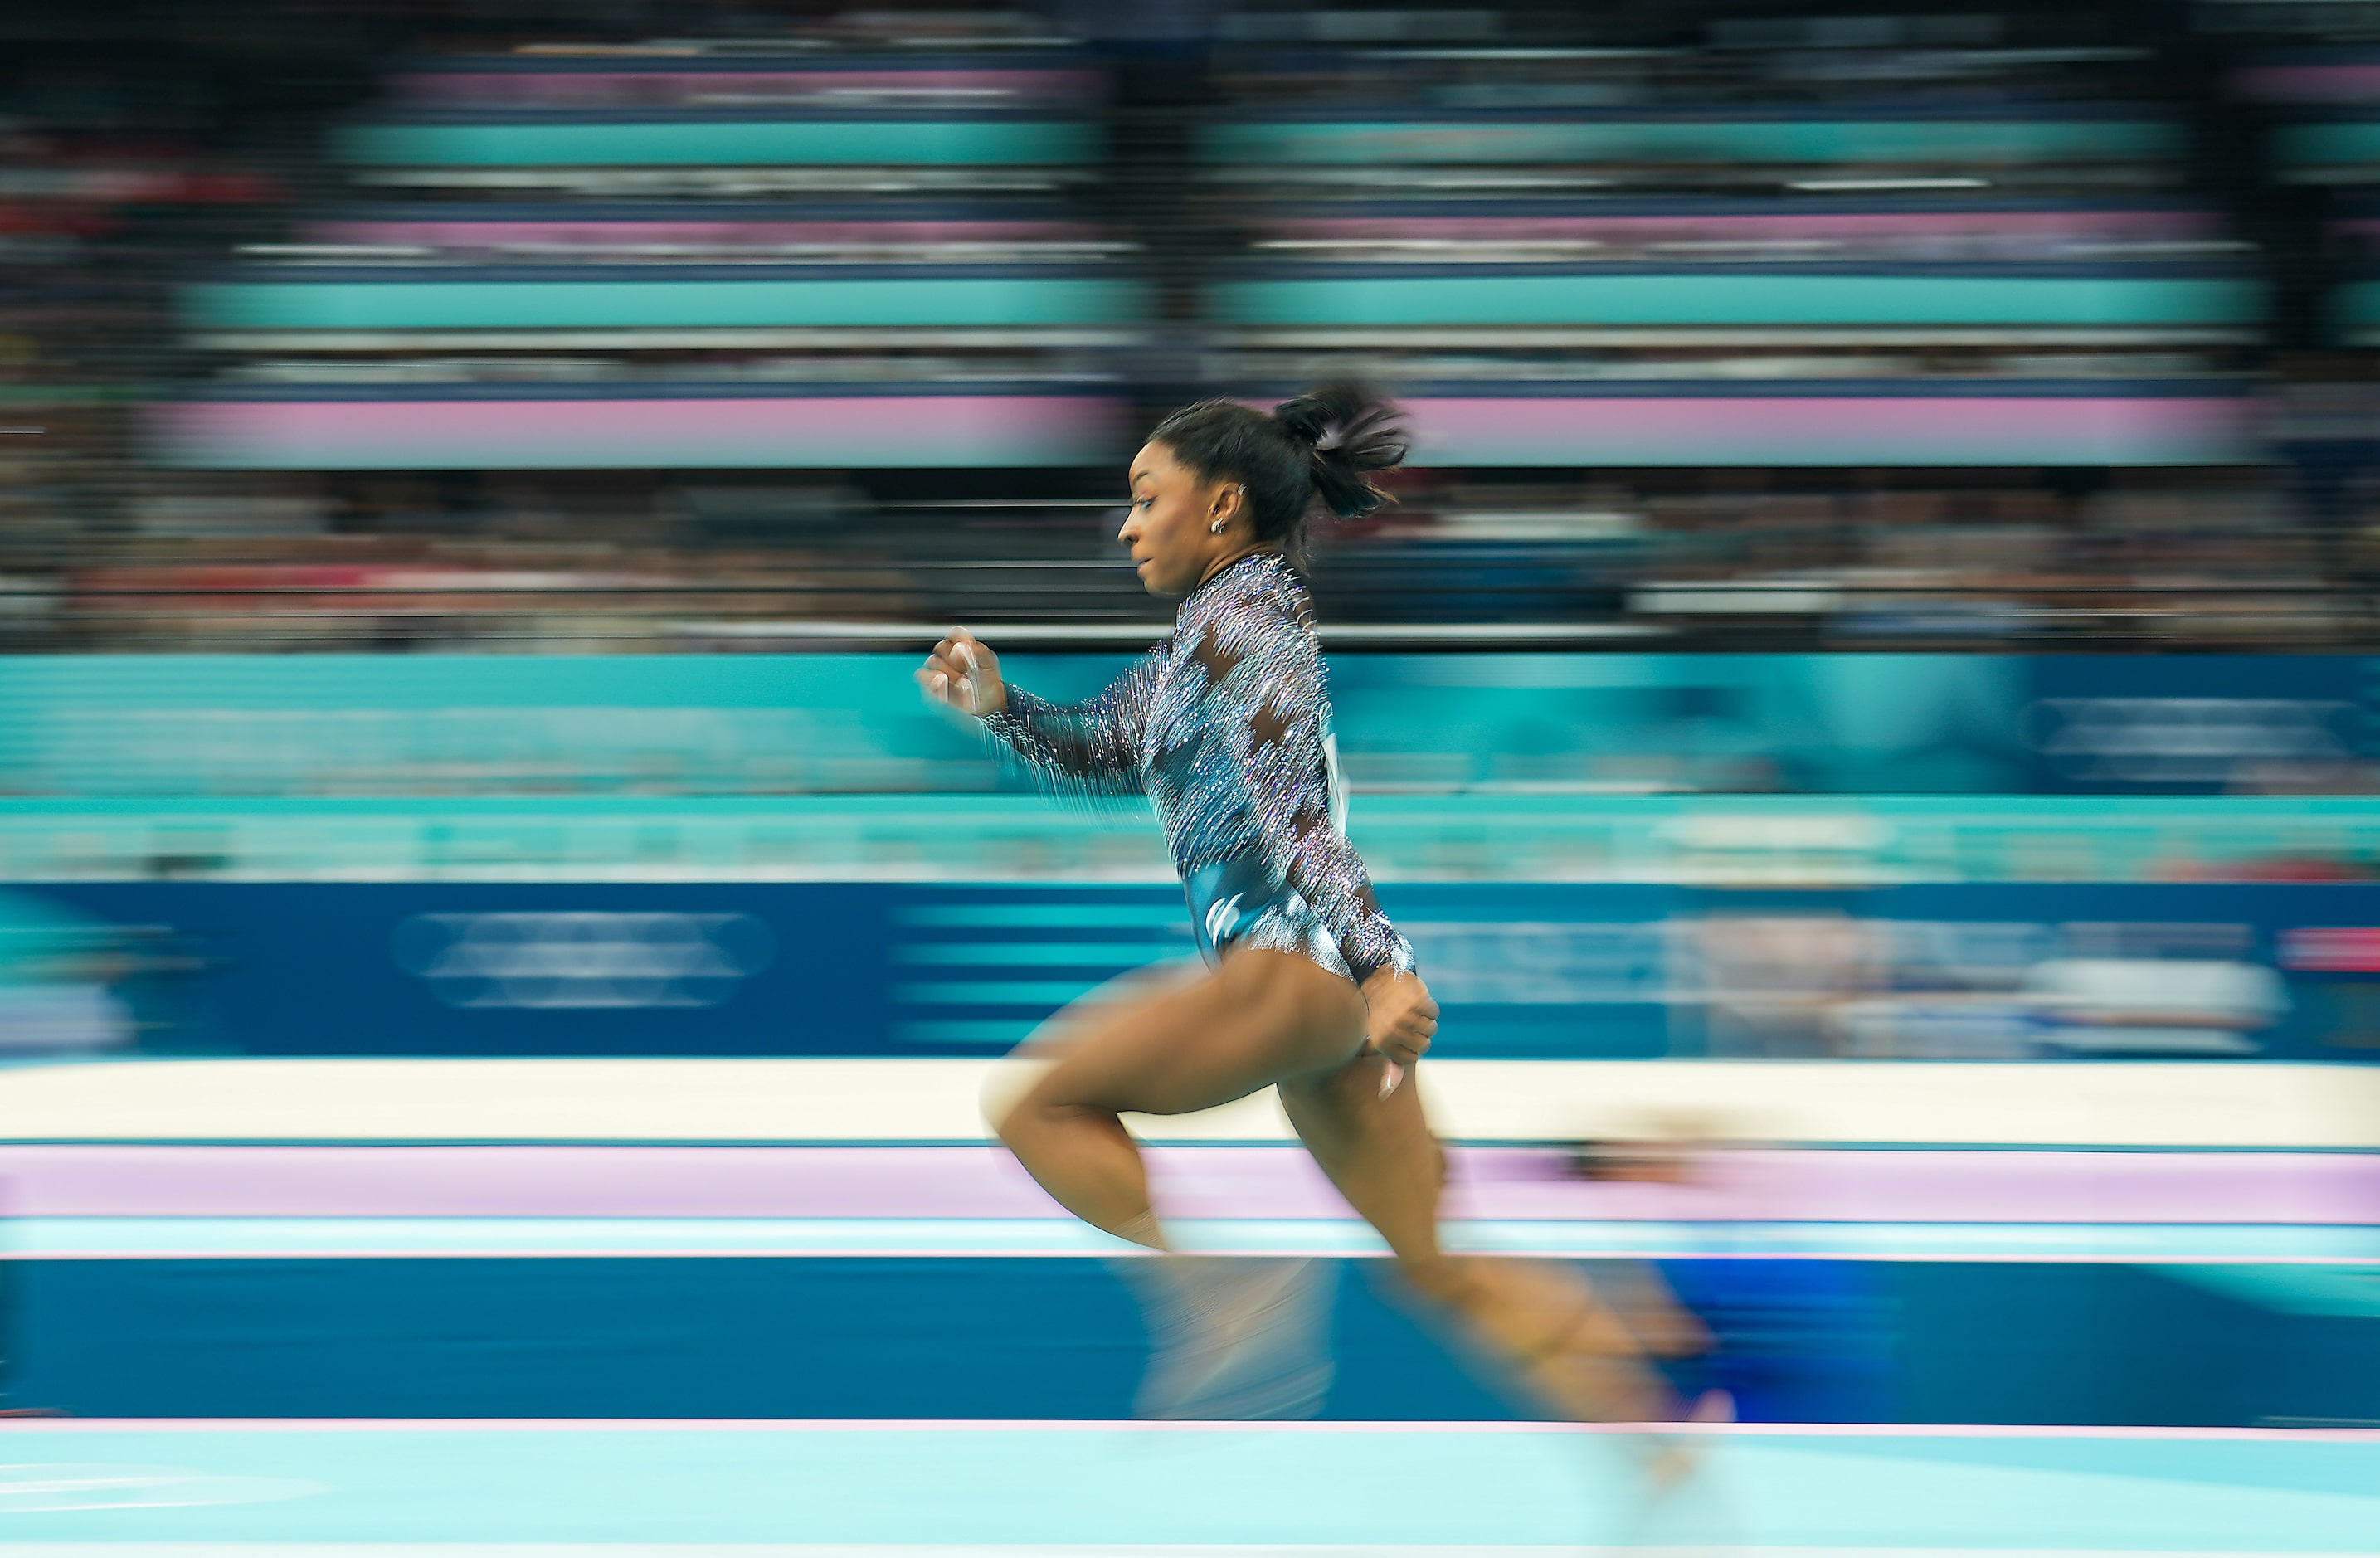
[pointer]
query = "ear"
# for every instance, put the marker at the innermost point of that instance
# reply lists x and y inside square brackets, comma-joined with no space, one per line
[1229,500]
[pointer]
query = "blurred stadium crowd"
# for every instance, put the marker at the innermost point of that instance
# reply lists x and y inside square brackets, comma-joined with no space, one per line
[488,324]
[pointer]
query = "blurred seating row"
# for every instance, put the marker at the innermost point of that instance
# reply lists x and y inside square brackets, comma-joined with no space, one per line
[1548,284]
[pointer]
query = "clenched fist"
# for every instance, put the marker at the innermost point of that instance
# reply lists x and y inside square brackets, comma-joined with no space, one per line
[1401,1022]
[962,674]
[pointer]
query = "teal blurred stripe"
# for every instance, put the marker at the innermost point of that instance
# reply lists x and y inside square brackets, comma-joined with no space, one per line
[968,839]
[1019,955]
[1696,141]
[739,143]
[2329,145]
[997,993]
[1102,914]
[546,304]
[2340,1292]
[990,1033]
[2355,306]
[1719,298]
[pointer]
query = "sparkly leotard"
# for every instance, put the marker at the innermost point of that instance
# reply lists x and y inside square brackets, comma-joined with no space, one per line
[1225,726]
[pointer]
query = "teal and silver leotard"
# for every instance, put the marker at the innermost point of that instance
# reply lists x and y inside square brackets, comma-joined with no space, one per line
[1225,726]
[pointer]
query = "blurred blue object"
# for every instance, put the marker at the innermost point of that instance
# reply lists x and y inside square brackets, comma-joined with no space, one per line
[1794,1341]
[57,969]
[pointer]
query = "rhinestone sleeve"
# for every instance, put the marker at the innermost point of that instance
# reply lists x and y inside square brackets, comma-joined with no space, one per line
[1093,747]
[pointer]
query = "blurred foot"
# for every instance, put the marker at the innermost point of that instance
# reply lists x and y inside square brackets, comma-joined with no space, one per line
[1672,1460]
[1234,1337]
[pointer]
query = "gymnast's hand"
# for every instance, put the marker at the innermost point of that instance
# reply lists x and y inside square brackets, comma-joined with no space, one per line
[1403,1017]
[962,674]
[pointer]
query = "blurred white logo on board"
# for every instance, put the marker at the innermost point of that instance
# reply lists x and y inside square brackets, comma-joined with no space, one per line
[2186,740]
[582,959]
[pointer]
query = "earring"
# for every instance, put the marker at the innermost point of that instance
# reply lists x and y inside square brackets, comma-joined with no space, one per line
[1217,528]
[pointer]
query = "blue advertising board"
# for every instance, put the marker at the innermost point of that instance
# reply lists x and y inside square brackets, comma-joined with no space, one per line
[2014,970]
[1912,1342]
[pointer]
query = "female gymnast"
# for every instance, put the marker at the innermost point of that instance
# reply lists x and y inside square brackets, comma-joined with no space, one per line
[1225,724]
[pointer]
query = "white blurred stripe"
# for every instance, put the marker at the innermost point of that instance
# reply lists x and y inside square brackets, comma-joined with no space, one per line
[2180,1105]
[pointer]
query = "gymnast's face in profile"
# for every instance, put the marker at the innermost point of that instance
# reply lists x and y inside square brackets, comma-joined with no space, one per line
[1179,527]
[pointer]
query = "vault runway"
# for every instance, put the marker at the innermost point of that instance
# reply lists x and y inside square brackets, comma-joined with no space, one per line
[540,1489]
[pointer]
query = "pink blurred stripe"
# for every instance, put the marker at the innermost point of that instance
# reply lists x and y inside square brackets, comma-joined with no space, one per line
[1197,1182]
[589,233]
[1023,429]
[631,433]
[2308,84]
[662,87]
[1827,430]
[1683,227]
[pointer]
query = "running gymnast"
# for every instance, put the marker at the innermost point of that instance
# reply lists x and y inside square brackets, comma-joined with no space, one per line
[1225,724]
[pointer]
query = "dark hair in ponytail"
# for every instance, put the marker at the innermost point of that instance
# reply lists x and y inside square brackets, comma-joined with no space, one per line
[1320,445]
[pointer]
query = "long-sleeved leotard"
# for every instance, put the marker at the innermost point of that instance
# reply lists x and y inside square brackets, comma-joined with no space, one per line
[1226,726]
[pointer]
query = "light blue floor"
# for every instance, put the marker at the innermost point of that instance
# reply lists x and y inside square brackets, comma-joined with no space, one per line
[182,1488]
[68,1237]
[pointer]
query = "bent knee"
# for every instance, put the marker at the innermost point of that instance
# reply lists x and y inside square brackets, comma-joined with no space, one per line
[1020,1119]
[1039,1111]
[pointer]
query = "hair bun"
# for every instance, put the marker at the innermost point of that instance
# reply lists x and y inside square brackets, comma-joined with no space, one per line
[1305,418]
[1352,431]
